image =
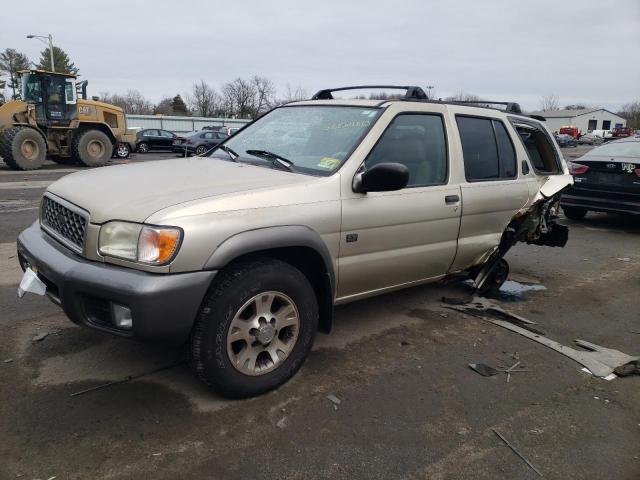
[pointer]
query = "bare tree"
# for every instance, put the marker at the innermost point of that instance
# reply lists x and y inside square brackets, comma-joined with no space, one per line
[240,97]
[463,97]
[164,107]
[265,92]
[132,102]
[293,95]
[203,99]
[631,112]
[549,103]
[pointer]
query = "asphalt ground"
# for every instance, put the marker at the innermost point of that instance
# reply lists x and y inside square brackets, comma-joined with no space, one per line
[410,407]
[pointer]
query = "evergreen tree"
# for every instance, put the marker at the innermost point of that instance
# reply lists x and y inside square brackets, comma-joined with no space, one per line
[61,61]
[179,107]
[11,62]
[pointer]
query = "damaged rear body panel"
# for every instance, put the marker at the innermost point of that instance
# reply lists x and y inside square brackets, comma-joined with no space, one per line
[536,223]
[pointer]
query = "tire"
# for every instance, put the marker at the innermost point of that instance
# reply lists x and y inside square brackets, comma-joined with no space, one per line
[143,147]
[574,213]
[23,148]
[217,359]
[122,150]
[496,278]
[92,148]
[201,150]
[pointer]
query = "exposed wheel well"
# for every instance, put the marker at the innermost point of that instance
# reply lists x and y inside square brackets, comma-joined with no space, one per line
[82,127]
[311,264]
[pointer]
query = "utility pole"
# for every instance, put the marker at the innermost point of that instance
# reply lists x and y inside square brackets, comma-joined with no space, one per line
[44,39]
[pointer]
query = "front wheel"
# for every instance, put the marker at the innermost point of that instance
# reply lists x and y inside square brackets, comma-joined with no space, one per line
[255,328]
[201,150]
[574,213]
[93,148]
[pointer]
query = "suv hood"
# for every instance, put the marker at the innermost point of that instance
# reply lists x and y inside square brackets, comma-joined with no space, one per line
[135,191]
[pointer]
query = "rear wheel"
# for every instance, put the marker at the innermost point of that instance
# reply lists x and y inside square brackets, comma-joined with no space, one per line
[143,147]
[255,328]
[93,148]
[201,150]
[23,148]
[574,213]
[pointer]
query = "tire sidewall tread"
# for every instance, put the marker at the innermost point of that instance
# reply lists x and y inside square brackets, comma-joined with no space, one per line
[227,294]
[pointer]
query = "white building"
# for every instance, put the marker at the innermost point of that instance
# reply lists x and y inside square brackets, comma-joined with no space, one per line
[586,120]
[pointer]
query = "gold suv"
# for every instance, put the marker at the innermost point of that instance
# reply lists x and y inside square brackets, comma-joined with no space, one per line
[242,253]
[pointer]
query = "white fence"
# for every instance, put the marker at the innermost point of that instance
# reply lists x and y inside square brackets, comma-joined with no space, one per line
[180,124]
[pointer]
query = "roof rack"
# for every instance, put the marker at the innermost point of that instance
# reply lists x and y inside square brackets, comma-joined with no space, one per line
[412,92]
[417,94]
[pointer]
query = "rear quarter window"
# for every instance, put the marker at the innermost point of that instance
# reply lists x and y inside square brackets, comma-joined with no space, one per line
[543,156]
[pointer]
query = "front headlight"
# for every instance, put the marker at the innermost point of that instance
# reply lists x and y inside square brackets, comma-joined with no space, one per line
[139,243]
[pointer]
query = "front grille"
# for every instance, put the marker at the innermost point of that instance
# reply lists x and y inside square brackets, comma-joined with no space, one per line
[63,222]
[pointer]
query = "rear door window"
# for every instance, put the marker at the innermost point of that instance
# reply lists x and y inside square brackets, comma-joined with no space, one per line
[487,149]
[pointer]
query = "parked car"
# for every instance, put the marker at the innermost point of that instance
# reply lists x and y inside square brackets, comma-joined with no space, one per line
[243,254]
[154,139]
[197,142]
[566,140]
[607,179]
[590,139]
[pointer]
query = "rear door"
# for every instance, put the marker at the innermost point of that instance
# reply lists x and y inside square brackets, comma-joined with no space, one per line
[495,187]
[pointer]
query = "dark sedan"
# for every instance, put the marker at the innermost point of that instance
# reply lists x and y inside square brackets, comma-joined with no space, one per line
[607,179]
[197,142]
[566,141]
[154,139]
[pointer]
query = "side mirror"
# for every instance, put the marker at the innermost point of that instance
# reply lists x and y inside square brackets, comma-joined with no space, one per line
[383,177]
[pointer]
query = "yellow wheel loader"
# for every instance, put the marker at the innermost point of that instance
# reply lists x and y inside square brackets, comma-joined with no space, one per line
[55,118]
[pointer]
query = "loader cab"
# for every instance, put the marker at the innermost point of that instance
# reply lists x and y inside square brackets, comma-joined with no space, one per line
[53,95]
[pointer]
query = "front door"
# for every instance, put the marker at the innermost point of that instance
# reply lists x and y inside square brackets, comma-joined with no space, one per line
[395,238]
[59,99]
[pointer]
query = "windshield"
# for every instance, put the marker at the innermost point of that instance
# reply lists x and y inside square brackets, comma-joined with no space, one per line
[618,149]
[315,138]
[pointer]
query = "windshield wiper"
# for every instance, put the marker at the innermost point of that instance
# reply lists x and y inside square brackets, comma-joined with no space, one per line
[232,155]
[276,159]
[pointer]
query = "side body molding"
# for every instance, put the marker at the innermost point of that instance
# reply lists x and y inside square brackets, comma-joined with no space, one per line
[281,238]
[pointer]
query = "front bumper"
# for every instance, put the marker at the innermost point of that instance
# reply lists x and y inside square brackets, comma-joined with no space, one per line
[163,306]
[600,200]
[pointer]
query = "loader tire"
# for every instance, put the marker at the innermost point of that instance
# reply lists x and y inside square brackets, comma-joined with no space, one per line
[23,148]
[92,148]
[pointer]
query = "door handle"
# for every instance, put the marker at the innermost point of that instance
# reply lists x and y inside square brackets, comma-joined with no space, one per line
[449,199]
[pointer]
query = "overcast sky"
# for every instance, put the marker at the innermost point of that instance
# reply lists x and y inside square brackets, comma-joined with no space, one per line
[585,51]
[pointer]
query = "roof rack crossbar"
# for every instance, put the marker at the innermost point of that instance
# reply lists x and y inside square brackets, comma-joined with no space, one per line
[412,92]
[510,107]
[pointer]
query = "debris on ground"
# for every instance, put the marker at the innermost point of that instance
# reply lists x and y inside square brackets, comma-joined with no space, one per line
[483,369]
[516,452]
[600,361]
[127,379]
[335,400]
[40,336]
[631,368]
[463,431]
[282,423]
[624,259]
[8,360]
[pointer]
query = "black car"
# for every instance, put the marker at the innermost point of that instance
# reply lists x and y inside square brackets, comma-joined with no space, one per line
[565,140]
[154,139]
[607,179]
[198,142]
